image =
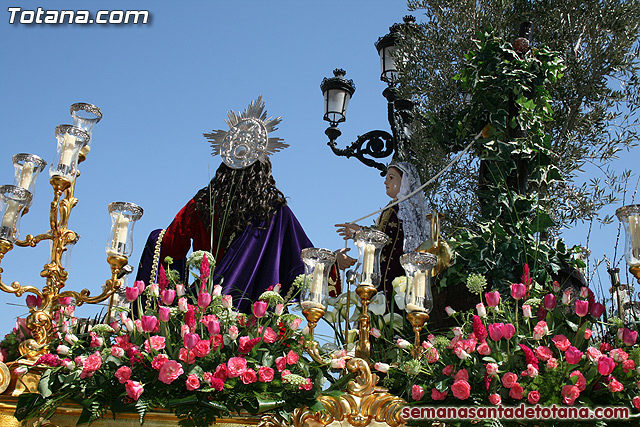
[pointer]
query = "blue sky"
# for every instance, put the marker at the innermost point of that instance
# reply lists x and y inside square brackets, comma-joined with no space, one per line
[161,85]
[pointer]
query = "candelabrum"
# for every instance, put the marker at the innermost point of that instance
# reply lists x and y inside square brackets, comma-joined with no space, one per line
[630,217]
[73,142]
[418,296]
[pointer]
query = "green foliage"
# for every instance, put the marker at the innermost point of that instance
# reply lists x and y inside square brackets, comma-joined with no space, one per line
[594,107]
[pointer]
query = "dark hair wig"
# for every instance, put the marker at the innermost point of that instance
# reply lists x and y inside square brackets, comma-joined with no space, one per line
[238,197]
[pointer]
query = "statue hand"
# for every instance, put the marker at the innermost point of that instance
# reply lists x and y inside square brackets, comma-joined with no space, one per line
[343,260]
[347,230]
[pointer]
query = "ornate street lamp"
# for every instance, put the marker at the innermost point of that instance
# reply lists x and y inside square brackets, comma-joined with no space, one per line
[376,144]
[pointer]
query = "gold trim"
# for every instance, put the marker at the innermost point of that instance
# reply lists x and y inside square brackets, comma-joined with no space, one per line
[362,404]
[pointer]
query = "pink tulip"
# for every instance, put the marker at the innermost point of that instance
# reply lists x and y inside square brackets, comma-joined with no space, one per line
[629,337]
[582,307]
[549,301]
[131,293]
[496,331]
[227,301]
[213,327]
[33,301]
[526,311]
[190,340]
[480,308]
[180,290]
[204,298]
[260,309]
[168,295]
[164,313]
[518,290]
[279,309]
[183,305]
[493,298]
[597,309]
[154,290]
[573,355]
[508,331]
[606,365]
[64,301]
[217,291]
[149,323]
[139,284]
[567,297]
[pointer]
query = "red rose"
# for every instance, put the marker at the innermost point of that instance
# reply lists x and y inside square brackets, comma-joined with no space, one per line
[533,397]
[265,374]
[509,379]
[569,394]
[249,376]
[436,395]
[495,399]
[516,391]
[193,383]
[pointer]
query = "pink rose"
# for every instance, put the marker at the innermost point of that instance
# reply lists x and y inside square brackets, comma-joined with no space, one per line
[552,363]
[447,370]
[484,349]
[561,342]
[123,374]
[587,333]
[618,355]
[417,392]
[265,374]
[233,332]
[170,371]
[540,330]
[156,342]
[636,402]
[295,323]
[236,366]
[221,372]
[202,348]
[270,336]
[615,386]
[532,371]
[207,377]
[581,382]
[134,389]
[509,379]
[462,374]
[158,361]
[436,395]
[249,376]
[533,397]
[338,363]
[569,394]
[593,354]
[628,366]
[492,369]
[461,389]
[281,363]
[117,351]
[92,363]
[516,391]
[292,357]
[573,355]
[495,399]
[193,383]
[544,353]
[246,344]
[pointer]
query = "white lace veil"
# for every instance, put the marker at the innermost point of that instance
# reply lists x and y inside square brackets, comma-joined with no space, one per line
[413,211]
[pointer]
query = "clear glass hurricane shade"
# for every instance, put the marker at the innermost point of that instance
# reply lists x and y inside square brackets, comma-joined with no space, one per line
[388,70]
[317,266]
[70,141]
[417,266]
[27,167]
[85,116]
[123,217]
[65,259]
[630,218]
[13,200]
[336,102]
[370,242]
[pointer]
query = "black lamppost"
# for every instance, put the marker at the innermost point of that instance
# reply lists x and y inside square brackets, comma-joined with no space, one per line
[377,144]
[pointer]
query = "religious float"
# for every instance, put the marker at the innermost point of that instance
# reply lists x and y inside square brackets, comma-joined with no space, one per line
[526,345]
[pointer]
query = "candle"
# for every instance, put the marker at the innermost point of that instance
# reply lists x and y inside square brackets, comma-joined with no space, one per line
[120,231]
[634,236]
[9,217]
[315,293]
[417,292]
[66,151]
[26,175]
[367,262]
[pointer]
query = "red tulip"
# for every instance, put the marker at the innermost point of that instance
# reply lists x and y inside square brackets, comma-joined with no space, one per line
[149,323]
[597,309]
[259,309]
[549,301]
[606,365]
[190,340]
[582,307]
[493,298]
[518,290]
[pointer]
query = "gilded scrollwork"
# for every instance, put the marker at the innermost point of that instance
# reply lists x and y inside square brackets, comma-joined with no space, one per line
[362,404]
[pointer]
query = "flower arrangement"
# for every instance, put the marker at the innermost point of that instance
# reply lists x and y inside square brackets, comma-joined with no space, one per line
[536,345]
[182,349]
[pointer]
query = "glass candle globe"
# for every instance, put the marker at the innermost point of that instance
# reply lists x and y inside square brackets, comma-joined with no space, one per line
[123,217]
[70,141]
[370,243]
[27,167]
[85,116]
[630,218]
[13,200]
[417,266]
[317,266]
